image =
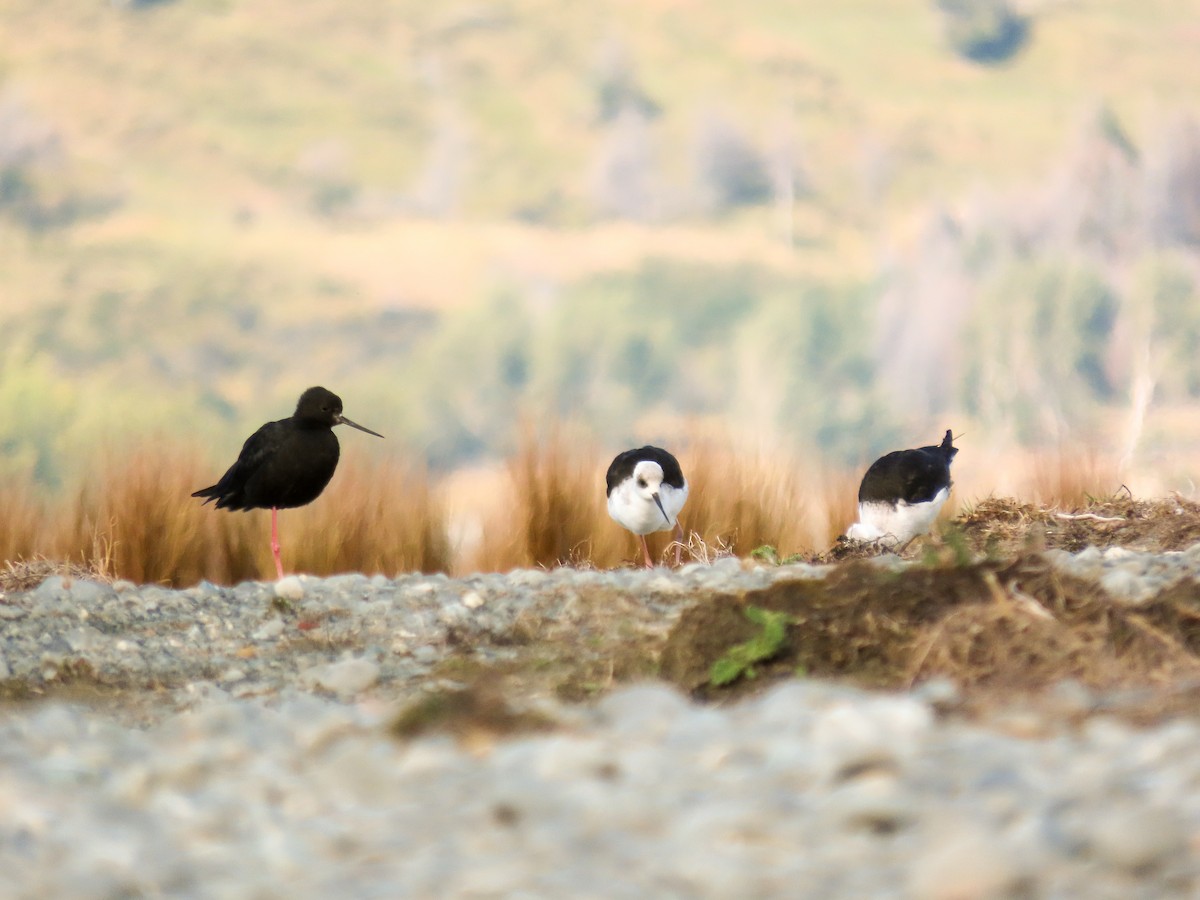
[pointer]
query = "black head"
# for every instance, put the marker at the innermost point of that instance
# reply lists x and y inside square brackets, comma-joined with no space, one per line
[320,408]
[947,446]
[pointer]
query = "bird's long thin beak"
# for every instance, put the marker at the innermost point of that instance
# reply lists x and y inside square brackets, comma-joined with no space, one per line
[342,420]
[658,503]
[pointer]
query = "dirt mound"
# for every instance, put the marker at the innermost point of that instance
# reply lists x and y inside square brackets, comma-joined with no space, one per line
[1020,624]
[1003,526]
[23,575]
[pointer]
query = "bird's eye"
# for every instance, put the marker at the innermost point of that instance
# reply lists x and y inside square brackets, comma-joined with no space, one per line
[641,482]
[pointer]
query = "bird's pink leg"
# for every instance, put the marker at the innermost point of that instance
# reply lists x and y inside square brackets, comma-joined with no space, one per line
[678,542]
[275,541]
[646,552]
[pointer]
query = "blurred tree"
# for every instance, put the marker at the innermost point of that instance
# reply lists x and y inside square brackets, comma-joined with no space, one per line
[616,87]
[474,374]
[36,188]
[324,167]
[1173,184]
[925,302]
[1167,287]
[805,368]
[983,31]
[789,178]
[1090,202]
[731,171]
[624,180]
[439,186]
[39,406]
[653,342]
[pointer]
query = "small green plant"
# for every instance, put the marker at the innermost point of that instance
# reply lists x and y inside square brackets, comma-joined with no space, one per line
[950,547]
[283,605]
[768,554]
[956,539]
[740,659]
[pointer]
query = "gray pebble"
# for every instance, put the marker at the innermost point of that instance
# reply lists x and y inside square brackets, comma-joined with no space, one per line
[289,588]
[961,861]
[1137,838]
[344,678]
[1127,585]
[272,628]
[425,654]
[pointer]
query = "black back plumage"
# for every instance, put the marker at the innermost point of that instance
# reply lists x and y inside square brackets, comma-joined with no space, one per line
[622,467]
[286,463]
[914,476]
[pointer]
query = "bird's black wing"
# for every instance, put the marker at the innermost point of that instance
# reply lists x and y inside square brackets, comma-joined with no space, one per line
[924,475]
[672,473]
[229,491]
[913,476]
[619,469]
[623,465]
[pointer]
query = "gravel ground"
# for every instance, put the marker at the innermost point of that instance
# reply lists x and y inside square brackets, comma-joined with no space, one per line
[258,762]
[342,635]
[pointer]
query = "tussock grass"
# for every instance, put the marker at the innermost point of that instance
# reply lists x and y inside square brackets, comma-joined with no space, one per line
[22,520]
[136,519]
[383,518]
[745,499]
[555,510]
[1072,476]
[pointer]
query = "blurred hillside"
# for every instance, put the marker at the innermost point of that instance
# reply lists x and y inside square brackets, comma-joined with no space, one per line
[840,227]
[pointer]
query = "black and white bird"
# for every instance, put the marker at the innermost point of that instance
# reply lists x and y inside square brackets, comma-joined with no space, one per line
[902,493]
[646,491]
[286,463]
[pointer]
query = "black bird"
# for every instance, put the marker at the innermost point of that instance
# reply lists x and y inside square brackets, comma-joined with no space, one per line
[646,491]
[285,463]
[902,492]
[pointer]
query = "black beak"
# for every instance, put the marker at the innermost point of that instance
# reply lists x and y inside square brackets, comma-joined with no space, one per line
[339,419]
[658,503]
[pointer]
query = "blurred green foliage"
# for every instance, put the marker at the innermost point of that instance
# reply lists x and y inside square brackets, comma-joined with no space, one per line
[670,339]
[38,408]
[204,208]
[1045,344]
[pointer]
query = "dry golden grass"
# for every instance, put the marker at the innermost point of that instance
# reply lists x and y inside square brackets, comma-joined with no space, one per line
[137,516]
[746,499]
[22,520]
[1072,476]
[137,520]
[553,507]
[555,510]
[384,518]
